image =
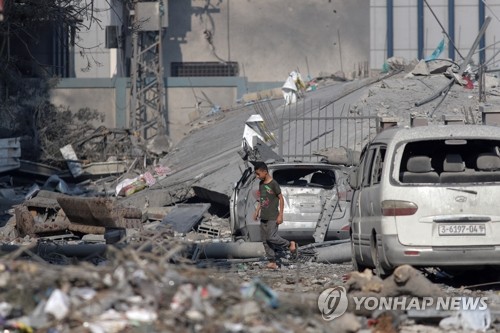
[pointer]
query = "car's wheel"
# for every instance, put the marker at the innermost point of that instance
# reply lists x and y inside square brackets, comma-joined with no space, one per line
[355,264]
[381,269]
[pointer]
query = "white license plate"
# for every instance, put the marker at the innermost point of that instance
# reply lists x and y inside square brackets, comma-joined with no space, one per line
[461,229]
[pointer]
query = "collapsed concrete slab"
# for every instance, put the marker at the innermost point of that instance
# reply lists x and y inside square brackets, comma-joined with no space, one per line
[99,212]
[205,163]
[51,212]
[184,217]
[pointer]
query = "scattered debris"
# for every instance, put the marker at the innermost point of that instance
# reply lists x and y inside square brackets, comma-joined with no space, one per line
[10,153]
[134,217]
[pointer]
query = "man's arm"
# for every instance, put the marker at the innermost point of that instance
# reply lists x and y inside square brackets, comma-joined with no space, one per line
[257,212]
[279,220]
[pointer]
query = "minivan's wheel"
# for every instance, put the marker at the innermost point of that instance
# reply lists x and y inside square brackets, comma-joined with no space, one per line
[355,264]
[380,269]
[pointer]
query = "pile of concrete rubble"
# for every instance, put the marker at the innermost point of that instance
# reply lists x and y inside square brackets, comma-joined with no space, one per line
[139,291]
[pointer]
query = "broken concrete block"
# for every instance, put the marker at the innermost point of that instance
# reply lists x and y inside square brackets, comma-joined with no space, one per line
[453,120]
[421,69]
[438,66]
[340,155]
[416,121]
[396,63]
[39,217]
[100,212]
[9,231]
[490,114]
[388,122]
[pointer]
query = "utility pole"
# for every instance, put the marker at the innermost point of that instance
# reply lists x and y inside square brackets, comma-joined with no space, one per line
[148,115]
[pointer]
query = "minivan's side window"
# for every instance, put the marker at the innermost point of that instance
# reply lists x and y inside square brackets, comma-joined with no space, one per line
[378,165]
[367,167]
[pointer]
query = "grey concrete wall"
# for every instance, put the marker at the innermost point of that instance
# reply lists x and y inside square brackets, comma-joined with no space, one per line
[111,97]
[108,96]
[103,100]
[270,38]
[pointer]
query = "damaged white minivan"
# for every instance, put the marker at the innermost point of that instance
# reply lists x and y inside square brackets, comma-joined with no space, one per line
[428,196]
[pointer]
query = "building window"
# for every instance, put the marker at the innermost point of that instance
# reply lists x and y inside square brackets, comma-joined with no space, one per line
[204,69]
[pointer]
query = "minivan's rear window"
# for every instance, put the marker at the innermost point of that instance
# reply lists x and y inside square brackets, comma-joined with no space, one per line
[450,161]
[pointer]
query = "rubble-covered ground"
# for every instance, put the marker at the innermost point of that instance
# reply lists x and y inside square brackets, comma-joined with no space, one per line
[135,291]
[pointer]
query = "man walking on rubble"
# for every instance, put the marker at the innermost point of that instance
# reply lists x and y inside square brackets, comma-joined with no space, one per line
[270,209]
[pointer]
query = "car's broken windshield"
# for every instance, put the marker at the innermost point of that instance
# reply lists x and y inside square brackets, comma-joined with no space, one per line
[305,177]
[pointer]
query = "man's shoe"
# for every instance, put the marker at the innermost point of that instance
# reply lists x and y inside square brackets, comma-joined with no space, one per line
[293,246]
[272,265]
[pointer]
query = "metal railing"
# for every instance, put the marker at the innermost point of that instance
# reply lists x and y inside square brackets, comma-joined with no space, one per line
[307,128]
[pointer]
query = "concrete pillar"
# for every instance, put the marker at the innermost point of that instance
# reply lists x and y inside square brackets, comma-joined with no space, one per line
[419,121]
[490,114]
[387,122]
[453,120]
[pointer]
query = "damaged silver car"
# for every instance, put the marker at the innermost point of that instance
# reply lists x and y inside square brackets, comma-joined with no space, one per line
[317,198]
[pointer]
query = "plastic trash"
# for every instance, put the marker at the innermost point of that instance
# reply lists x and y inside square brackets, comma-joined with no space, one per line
[138,185]
[57,304]
[437,51]
[5,309]
[149,178]
[215,110]
[468,320]
[84,293]
[19,327]
[477,320]
[181,298]
[141,315]
[260,291]
[110,321]
[121,185]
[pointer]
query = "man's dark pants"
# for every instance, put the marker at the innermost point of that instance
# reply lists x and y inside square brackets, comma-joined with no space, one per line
[271,239]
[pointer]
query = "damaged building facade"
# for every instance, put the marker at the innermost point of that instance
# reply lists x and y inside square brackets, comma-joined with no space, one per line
[215,53]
